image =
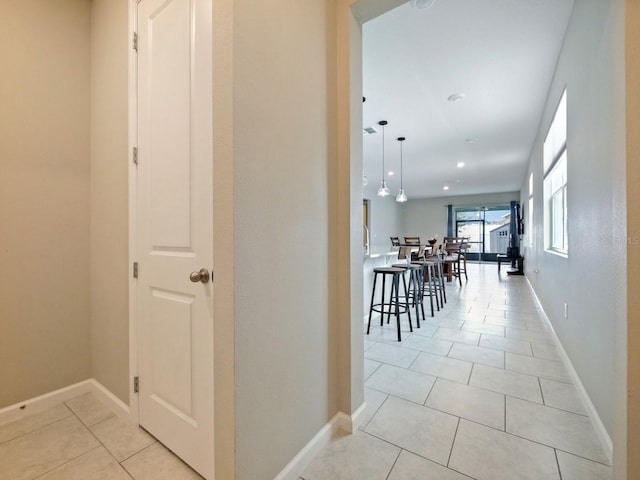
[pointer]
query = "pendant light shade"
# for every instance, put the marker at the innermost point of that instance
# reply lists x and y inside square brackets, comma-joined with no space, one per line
[383,191]
[401,197]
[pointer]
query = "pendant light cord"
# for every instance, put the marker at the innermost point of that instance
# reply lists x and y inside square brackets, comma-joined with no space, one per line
[401,169]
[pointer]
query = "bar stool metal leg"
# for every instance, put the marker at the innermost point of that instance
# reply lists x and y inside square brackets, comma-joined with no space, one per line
[396,282]
[382,306]
[434,285]
[406,302]
[392,302]
[428,286]
[417,294]
[442,284]
[373,294]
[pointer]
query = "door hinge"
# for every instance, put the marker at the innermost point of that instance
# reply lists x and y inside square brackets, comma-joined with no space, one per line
[136,384]
[135,155]
[135,269]
[135,41]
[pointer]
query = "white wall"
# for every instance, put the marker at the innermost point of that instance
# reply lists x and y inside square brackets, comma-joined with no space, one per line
[589,279]
[385,220]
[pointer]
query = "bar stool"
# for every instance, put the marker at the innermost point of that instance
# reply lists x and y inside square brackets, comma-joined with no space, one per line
[439,280]
[431,284]
[425,286]
[415,288]
[415,281]
[394,297]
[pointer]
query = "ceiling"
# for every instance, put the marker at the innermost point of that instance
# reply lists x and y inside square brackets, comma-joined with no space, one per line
[501,54]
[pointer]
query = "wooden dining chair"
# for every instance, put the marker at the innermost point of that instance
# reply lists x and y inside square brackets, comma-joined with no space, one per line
[452,248]
[413,241]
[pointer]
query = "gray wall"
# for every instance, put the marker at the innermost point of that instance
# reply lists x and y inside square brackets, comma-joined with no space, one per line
[285,381]
[427,217]
[589,279]
[424,217]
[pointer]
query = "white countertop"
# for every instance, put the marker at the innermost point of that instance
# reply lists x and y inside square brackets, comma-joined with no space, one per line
[381,254]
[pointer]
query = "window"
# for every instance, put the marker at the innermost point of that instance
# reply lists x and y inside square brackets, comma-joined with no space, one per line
[529,231]
[365,225]
[558,204]
[487,229]
[555,181]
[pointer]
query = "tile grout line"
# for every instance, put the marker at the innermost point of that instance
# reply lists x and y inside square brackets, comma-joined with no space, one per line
[120,463]
[542,392]
[453,441]
[363,427]
[433,385]
[505,412]
[96,437]
[394,464]
[41,427]
[555,453]
[65,463]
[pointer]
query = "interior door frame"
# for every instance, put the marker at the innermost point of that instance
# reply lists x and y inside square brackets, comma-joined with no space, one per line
[133,192]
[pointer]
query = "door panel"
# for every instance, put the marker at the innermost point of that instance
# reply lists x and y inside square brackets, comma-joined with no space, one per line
[171,324]
[168,63]
[174,228]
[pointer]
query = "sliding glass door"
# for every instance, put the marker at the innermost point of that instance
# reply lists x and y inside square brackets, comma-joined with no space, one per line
[487,229]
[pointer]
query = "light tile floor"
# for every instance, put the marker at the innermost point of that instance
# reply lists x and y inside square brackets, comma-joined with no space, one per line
[478,392]
[82,439]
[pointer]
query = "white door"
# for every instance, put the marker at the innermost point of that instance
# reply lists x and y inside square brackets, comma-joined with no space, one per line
[174,227]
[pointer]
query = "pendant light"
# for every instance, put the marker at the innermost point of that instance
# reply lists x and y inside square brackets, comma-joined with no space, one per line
[383,191]
[402,197]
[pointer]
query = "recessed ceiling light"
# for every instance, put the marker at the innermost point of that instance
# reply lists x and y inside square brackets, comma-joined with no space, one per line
[456,97]
[422,3]
[391,173]
[471,140]
[460,164]
[369,131]
[446,187]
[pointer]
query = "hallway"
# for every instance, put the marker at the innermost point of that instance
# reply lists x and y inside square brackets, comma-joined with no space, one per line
[478,392]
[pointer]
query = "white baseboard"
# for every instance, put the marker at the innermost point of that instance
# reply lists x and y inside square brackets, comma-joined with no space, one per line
[340,421]
[596,421]
[358,417]
[44,402]
[48,400]
[116,405]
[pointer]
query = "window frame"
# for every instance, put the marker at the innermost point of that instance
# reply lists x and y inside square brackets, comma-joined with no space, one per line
[555,164]
[529,231]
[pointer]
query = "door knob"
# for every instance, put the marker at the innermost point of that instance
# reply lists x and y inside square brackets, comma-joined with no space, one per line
[201,275]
